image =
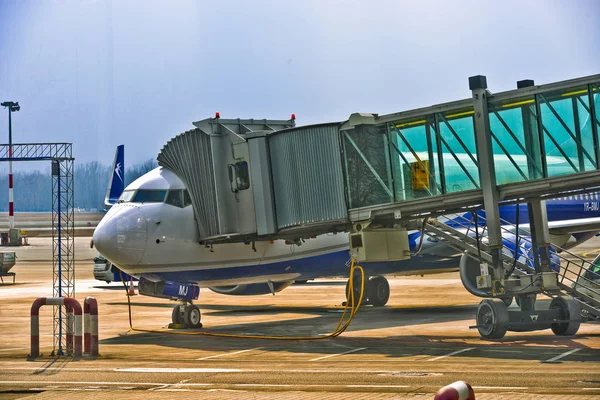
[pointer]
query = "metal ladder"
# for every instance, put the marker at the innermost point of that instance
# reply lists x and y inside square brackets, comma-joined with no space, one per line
[573,276]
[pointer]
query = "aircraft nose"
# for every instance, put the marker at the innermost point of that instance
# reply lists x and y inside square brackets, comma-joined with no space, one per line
[121,236]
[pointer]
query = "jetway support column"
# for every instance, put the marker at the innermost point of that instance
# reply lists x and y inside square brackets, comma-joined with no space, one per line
[538,224]
[487,172]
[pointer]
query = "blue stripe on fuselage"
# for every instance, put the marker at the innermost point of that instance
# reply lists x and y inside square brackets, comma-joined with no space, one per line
[556,209]
[326,265]
[334,264]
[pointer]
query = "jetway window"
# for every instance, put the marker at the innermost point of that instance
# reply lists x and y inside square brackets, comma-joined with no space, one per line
[567,125]
[150,196]
[414,164]
[457,136]
[239,177]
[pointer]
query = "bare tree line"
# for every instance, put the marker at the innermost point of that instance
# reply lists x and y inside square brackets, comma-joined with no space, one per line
[33,189]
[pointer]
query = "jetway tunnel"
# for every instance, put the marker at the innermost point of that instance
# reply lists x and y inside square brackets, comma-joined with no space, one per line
[262,179]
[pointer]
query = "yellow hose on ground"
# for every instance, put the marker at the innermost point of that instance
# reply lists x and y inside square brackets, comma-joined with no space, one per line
[339,329]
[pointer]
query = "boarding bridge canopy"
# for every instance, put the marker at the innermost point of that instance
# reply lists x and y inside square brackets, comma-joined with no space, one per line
[411,161]
[258,179]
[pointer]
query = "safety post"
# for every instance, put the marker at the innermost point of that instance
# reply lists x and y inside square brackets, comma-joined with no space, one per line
[90,326]
[69,303]
[69,331]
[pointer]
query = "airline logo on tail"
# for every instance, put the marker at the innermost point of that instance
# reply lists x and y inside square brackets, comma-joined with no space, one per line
[116,185]
[118,171]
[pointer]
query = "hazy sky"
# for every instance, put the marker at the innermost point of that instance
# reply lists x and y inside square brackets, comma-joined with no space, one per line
[102,73]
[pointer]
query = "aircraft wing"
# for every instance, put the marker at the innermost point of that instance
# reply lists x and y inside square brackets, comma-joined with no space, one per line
[574,226]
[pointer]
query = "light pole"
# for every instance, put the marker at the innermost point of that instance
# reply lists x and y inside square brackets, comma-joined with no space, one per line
[12,106]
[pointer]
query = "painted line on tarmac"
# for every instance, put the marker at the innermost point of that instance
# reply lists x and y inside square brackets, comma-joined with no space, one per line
[339,354]
[563,355]
[282,371]
[229,354]
[178,370]
[174,386]
[590,252]
[501,387]
[452,354]
[16,348]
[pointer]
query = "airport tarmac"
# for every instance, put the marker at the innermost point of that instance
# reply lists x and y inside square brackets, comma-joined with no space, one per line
[409,349]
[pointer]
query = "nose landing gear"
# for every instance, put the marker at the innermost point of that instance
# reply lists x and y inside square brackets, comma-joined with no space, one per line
[377,290]
[186,315]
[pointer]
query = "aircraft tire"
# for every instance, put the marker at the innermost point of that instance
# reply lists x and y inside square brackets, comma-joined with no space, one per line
[356,291]
[192,317]
[492,319]
[378,291]
[571,309]
[176,316]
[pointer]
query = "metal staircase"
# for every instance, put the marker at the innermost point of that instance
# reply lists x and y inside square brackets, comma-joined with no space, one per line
[575,275]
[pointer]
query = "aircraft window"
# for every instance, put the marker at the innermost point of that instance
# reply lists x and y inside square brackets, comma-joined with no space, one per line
[174,198]
[150,196]
[126,196]
[187,200]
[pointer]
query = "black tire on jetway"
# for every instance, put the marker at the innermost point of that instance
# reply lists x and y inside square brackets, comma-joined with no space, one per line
[570,311]
[492,319]
[378,291]
[192,317]
[176,316]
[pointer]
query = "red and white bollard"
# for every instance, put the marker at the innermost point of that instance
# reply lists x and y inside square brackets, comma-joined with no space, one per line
[69,333]
[90,326]
[70,303]
[459,390]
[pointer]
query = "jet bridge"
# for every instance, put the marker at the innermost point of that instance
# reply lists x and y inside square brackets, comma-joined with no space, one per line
[376,176]
[261,179]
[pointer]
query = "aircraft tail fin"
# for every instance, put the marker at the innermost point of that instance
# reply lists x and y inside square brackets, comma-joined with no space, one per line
[117,180]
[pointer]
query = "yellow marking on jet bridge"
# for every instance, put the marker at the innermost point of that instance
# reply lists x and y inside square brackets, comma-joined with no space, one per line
[461,114]
[583,91]
[420,122]
[518,103]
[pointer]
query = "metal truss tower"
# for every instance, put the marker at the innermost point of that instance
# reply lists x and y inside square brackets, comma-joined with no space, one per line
[63,246]
[63,227]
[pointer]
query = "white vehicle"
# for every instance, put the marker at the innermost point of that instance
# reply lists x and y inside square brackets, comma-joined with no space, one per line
[103,269]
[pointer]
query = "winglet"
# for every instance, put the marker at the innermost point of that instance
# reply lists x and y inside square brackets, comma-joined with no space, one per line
[117,180]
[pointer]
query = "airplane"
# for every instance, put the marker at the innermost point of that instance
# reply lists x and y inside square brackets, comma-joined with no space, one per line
[150,233]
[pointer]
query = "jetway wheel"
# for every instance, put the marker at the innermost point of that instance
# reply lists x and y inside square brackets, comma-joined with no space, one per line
[378,291]
[570,310]
[192,316]
[492,319]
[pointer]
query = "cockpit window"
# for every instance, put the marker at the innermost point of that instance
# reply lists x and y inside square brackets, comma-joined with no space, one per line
[187,200]
[149,196]
[178,198]
[174,198]
[126,196]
